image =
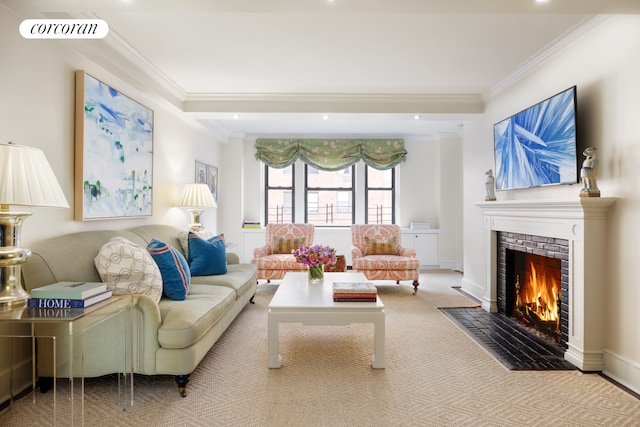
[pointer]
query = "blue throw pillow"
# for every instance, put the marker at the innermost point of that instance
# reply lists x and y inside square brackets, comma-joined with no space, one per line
[207,257]
[174,269]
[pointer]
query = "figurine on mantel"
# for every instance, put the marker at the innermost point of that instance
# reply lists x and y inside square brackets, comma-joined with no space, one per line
[589,173]
[490,185]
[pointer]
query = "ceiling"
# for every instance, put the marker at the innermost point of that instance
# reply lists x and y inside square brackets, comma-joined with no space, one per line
[399,68]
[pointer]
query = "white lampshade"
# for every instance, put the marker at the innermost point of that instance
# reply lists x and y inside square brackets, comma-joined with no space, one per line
[196,196]
[27,179]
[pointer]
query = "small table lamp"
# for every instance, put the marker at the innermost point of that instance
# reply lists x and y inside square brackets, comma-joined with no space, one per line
[25,179]
[196,198]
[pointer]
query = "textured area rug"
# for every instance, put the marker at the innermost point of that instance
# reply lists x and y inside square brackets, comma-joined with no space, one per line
[512,344]
[435,376]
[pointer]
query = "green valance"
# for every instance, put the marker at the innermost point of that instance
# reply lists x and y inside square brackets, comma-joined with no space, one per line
[331,154]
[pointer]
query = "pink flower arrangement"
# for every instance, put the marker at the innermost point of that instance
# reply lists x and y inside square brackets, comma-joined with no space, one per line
[315,255]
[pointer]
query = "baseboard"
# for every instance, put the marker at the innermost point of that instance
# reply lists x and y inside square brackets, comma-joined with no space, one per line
[451,265]
[622,370]
[472,288]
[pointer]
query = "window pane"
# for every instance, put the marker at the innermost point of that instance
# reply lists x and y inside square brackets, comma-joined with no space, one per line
[279,177]
[279,195]
[380,207]
[379,179]
[329,207]
[335,179]
[280,208]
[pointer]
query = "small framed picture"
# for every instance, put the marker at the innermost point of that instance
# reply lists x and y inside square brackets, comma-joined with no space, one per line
[212,181]
[201,173]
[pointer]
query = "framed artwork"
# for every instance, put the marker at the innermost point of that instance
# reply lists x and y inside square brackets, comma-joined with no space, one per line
[201,173]
[114,153]
[212,181]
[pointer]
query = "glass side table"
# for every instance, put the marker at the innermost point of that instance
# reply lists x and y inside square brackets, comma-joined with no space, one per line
[115,310]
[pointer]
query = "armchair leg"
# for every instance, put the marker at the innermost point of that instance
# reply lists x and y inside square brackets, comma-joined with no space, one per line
[415,287]
[182,381]
[251,300]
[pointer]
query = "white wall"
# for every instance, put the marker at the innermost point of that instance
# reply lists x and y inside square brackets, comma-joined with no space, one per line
[605,65]
[37,109]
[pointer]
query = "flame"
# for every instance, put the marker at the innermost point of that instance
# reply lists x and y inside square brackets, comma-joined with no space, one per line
[540,293]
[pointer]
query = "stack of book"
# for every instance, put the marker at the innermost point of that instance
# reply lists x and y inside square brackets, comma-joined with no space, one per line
[251,224]
[69,295]
[354,292]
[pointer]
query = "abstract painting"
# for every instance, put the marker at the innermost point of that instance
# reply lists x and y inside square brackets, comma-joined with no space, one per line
[537,146]
[114,153]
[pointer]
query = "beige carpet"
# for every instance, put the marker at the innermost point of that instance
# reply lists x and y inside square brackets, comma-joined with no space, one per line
[435,376]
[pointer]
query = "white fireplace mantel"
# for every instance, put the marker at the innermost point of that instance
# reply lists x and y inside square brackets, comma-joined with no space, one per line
[582,221]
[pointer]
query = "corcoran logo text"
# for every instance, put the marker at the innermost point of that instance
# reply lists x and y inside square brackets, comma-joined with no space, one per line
[64,29]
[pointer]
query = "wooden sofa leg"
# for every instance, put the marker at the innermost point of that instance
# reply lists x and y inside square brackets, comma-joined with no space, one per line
[415,287]
[182,381]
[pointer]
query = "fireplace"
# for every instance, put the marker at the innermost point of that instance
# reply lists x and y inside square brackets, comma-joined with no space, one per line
[533,283]
[573,231]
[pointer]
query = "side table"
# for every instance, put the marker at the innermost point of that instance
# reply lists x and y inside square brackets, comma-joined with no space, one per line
[116,309]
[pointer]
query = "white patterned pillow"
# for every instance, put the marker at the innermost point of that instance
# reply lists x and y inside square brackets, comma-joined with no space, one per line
[183,238]
[128,269]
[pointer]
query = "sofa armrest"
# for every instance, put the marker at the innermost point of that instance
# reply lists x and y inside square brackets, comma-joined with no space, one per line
[233,258]
[356,252]
[146,321]
[408,252]
[263,251]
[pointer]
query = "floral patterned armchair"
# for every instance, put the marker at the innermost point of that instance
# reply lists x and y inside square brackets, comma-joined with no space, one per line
[377,253]
[275,258]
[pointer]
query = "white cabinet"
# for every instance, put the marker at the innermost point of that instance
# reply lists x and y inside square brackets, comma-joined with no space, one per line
[252,238]
[425,242]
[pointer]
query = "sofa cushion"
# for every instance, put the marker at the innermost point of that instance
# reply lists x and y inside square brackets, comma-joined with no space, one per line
[380,247]
[184,322]
[128,269]
[176,276]
[207,257]
[283,245]
[239,277]
[183,238]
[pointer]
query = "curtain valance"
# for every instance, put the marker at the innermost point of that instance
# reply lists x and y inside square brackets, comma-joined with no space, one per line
[331,154]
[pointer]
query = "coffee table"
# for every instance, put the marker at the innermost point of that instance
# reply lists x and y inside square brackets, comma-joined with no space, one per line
[297,301]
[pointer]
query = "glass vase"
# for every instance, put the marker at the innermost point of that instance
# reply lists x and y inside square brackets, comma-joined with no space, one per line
[316,274]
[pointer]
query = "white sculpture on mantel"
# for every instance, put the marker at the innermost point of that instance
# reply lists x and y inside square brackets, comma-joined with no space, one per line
[490,185]
[589,173]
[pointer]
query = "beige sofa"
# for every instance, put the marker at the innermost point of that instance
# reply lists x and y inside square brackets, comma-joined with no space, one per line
[168,338]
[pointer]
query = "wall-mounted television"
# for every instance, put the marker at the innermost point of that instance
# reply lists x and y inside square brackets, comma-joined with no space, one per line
[537,146]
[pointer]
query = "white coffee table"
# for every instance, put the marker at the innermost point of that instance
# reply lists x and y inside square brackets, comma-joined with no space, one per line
[297,301]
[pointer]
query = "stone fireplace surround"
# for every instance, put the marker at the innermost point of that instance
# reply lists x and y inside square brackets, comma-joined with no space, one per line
[581,221]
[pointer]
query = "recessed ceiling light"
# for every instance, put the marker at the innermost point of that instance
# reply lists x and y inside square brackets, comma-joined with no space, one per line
[416,117]
[325,117]
[542,1]
[236,116]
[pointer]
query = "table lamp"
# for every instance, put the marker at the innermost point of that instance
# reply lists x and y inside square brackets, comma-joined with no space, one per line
[25,179]
[196,198]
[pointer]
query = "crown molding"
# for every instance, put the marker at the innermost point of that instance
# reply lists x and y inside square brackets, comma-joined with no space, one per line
[562,43]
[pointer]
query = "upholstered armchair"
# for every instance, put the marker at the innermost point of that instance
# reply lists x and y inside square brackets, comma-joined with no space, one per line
[377,253]
[276,258]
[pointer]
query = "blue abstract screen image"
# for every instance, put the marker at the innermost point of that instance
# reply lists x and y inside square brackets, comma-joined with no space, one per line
[537,146]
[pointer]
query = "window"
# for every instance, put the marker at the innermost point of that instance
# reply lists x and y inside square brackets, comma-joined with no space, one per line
[329,196]
[380,196]
[279,200]
[356,194]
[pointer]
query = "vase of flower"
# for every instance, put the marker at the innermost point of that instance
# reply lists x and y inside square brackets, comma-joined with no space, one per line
[315,257]
[316,274]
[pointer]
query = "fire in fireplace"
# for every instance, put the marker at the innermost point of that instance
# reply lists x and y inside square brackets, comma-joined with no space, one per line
[537,293]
